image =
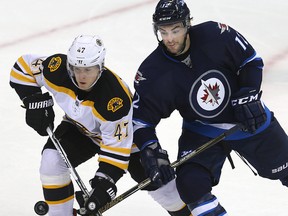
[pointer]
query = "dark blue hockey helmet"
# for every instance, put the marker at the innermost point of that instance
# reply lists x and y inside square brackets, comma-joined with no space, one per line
[171,11]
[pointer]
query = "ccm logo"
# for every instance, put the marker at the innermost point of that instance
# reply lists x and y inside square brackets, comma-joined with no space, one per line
[279,169]
[245,100]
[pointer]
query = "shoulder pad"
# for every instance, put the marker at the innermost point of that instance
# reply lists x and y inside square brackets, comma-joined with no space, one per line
[54,69]
[113,97]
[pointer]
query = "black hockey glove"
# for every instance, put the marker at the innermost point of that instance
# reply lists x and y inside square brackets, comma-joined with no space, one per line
[39,112]
[104,190]
[248,109]
[157,165]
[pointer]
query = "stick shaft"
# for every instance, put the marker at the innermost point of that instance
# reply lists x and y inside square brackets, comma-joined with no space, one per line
[72,170]
[175,164]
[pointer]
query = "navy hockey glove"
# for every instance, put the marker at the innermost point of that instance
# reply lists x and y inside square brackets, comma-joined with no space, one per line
[248,109]
[39,112]
[156,164]
[104,190]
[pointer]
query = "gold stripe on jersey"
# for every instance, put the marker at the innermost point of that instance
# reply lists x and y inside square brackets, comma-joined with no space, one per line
[110,154]
[73,95]
[60,89]
[121,165]
[26,67]
[118,150]
[21,77]
[95,112]
[126,89]
[25,76]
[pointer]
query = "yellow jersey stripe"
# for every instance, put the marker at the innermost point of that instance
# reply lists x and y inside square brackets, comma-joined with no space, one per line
[126,89]
[125,151]
[26,67]
[22,78]
[55,186]
[123,166]
[61,89]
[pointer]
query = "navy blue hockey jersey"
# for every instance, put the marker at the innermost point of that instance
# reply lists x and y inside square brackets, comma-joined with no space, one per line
[222,62]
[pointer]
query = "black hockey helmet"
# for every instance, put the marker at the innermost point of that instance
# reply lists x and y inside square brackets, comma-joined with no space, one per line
[171,11]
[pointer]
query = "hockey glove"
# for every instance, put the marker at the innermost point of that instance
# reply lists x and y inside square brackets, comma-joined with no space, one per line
[248,109]
[157,165]
[104,190]
[39,112]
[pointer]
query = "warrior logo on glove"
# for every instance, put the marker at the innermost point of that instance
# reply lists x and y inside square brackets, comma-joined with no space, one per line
[39,112]
[40,104]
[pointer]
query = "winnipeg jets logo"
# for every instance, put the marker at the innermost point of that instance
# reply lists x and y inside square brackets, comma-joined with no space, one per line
[211,94]
[139,77]
[223,27]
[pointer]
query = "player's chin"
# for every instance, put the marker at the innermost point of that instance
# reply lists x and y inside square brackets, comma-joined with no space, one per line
[84,87]
[173,50]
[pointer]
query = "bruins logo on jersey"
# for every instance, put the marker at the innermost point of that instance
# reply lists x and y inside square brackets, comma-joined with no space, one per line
[54,63]
[114,104]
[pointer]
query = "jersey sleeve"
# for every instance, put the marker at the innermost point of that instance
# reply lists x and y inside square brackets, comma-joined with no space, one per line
[154,98]
[144,122]
[224,45]
[26,76]
[244,56]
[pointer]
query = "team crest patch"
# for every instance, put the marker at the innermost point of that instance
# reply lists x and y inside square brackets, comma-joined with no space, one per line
[114,104]
[223,27]
[210,94]
[54,63]
[139,77]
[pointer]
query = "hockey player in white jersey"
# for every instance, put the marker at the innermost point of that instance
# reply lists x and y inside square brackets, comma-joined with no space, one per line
[97,120]
[97,106]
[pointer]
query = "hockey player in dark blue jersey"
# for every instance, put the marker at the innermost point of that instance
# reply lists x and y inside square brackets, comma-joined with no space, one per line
[212,75]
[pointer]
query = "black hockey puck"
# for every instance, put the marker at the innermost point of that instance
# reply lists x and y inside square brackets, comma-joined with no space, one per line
[41,208]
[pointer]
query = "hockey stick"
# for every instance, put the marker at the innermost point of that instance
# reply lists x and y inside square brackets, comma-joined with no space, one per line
[175,164]
[72,170]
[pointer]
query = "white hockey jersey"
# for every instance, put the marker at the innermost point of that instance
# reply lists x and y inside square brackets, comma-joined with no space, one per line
[104,114]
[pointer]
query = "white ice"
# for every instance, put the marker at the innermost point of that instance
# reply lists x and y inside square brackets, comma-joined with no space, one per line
[48,27]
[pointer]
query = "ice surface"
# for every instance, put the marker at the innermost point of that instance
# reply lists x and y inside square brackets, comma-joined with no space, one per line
[48,27]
